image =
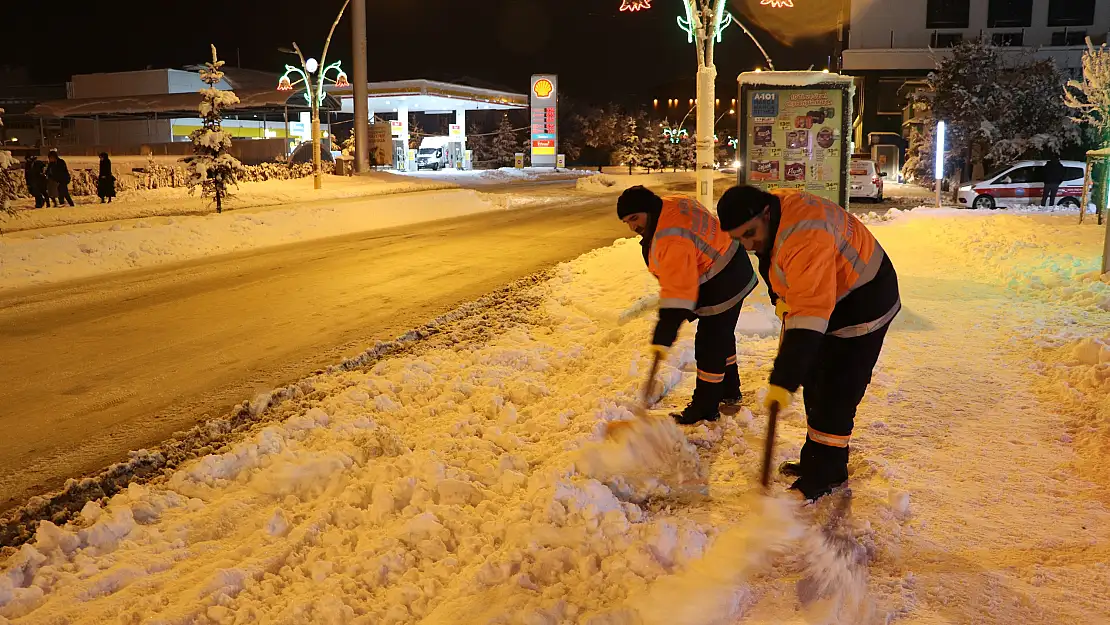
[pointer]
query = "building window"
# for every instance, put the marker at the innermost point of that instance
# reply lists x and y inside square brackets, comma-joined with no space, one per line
[892,98]
[1071,12]
[946,40]
[1008,39]
[1069,38]
[948,14]
[1010,13]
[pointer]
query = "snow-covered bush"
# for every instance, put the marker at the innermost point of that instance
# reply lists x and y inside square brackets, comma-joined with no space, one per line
[8,182]
[213,168]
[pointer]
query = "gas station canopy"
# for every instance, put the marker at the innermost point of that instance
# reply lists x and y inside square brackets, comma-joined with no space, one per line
[429,96]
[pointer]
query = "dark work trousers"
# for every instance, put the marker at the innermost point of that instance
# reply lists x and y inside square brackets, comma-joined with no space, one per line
[833,390]
[63,194]
[715,353]
[1048,198]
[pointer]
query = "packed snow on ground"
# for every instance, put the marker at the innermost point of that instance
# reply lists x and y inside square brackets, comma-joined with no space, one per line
[617,179]
[38,257]
[501,175]
[451,486]
[178,201]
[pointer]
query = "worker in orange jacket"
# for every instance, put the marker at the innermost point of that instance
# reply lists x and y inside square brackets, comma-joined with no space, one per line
[837,292]
[703,275]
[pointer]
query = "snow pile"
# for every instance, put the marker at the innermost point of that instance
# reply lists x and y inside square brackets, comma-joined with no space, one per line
[440,488]
[32,258]
[617,179]
[447,486]
[177,201]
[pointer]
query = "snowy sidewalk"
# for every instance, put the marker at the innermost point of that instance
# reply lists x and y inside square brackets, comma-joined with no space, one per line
[441,486]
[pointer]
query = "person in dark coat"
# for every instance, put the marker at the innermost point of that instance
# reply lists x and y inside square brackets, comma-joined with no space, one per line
[105,182]
[1053,174]
[58,173]
[35,171]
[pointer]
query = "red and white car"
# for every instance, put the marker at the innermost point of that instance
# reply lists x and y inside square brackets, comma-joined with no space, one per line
[1022,184]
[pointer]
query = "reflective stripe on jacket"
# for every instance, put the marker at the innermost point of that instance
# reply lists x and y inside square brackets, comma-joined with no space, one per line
[822,254]
[699,267]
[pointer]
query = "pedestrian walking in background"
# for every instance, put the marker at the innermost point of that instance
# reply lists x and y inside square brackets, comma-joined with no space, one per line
[105,182]
[57,172]
[35,171]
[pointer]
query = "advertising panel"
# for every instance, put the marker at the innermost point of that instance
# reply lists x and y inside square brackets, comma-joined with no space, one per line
[796,137]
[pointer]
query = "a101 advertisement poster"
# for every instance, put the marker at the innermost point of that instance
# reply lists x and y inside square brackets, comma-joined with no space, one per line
[794,140]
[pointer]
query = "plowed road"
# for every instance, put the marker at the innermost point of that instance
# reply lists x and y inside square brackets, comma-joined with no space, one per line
[94,368]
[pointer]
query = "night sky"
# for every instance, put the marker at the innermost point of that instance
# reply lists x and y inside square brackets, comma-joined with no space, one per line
[600,53]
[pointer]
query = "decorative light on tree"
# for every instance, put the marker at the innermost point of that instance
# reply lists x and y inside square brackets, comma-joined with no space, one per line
[722,20]
[778,4]
[635,5]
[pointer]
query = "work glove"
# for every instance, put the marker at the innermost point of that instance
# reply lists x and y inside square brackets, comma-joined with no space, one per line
[777,395]
[781,309]
[659,351]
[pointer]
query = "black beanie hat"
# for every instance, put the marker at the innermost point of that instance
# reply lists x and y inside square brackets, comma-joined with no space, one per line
[741,204]
[638,199]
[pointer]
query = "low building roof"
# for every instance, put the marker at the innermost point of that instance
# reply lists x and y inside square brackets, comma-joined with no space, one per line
[170,105]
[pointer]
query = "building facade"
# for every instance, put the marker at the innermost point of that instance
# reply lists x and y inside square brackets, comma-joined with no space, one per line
[893,44]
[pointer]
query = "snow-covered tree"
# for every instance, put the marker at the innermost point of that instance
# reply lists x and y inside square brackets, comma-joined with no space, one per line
[1034,121]
[920,154]
[7,182]
[651,147]
[630,150]
[995,111]
[967,94]
[1090,98]
[688,152]
[478,142]
[504,146]
[670,153]
[212,166]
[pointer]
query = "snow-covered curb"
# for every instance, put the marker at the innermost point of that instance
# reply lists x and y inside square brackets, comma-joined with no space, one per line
[29,259]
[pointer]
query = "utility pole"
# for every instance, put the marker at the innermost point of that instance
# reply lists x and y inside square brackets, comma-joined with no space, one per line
[362,109]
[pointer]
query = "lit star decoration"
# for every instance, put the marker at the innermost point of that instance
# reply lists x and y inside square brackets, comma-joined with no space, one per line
[635,5]
[778,4]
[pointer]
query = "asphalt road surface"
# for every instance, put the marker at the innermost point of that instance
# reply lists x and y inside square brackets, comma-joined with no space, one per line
[94,368]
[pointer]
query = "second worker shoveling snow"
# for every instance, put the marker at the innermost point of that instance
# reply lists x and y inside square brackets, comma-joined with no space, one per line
[836,292]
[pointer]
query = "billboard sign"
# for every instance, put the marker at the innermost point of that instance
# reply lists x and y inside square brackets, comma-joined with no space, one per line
[796,136]
[544,99]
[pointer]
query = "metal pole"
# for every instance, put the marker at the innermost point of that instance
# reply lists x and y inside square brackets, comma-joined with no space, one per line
[362,106]
[1106,250]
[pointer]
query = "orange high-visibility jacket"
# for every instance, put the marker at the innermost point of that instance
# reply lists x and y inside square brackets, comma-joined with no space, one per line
[822,257]
[699,267]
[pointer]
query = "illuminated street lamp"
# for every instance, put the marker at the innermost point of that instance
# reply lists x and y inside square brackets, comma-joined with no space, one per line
[314,93]
[938,168]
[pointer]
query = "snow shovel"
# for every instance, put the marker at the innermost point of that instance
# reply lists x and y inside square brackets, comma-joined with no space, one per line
[619,428]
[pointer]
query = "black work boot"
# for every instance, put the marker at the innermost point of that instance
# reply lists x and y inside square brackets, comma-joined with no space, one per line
[704,405]
[791,468]
[696,412]
[822,469]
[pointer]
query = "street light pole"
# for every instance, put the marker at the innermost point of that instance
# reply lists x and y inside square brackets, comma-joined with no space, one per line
[315,93]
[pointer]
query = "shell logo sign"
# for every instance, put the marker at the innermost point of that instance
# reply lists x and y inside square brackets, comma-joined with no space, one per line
[543,88]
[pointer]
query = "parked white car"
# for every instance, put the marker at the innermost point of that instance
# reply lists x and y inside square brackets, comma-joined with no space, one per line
[867,181]
[1022,184]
